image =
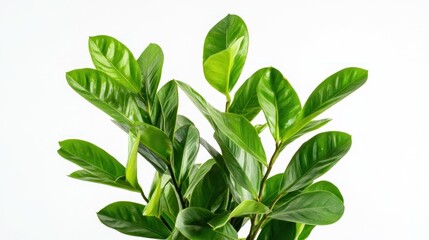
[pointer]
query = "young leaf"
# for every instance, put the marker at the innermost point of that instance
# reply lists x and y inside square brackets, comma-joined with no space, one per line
[314,208]
[278,230]
[192,222]
[314,158]
[186,145]
[154,139]
[245,99]
[166,105]
[107,95]
[218,67]
[223,35]
[247,207]
[131,170]
[278,101]
[112,57]
[127,218]
[333,89]
[150,63]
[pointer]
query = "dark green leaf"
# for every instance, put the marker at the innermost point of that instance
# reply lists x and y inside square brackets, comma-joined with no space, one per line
[169,204]
[197,99]
[186,145]
[272,188]
[245,99]
[314,208]
[192,222]
[166,105]
[102,178]
[278,230]
[314,158]
[221,37]
[334,89]
[150,63]
[325,186]
[309,127]
[198,176]
[278,101]
[127,218]
[107,95]
[112,57]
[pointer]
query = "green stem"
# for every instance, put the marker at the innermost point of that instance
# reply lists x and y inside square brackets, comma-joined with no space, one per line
[228,102]
[144,196]
[176,186]
[267,173]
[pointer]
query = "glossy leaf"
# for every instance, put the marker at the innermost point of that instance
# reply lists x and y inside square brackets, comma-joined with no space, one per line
[154,139]
[315,208]
[278,230]
[314,158]
[169,204]
[218,67]
[153,206]
[247,207]
[150,63]
[197,99]
[278,101]
[210,192]
[165,108]
[239,130]
[105,94]
[192,222]
[131,170]
[186,146]
[272,189]
[325,186]
[309,127]
[245,99]
[221,37]
[102,178]
[127,218]
[112,57]
[305,231]
[334,89]
[198,176]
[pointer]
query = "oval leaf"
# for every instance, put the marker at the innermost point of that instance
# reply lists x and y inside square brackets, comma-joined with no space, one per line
[325,186]
[314,158]
[314,208]
[107,95]
[186,145]
[150,62]
[127,218]
[166,105]
[112,57]
[223,35]
[192,222]
[278,101]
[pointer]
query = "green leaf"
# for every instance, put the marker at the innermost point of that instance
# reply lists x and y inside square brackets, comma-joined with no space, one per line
[112,57]
[221,37]
[198,176]
[105,94]
[153,206]
[150,63]
[278,101]
[218,67]
[169,204]
[131,170]
[154,139]
[314,208]
[245,99]
[278,230]
[197,99]
[186,145]
[334,89]
[243,167]
[305,231]
[127,218]
[314,158]
[325,186]
[247,207]
[272,188]
[239,130]
[260,127]
[102,178]
[309,127]
[192,222]
[182,121]
[211,191]
[165,108]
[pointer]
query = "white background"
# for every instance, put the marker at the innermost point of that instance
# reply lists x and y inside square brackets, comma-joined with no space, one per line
[383,178]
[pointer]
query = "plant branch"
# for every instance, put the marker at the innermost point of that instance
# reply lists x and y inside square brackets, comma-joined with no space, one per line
[228,102]
[143,195]
[267,173]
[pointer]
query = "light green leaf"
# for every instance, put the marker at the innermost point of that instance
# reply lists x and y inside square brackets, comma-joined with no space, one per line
[150,63]
[314,158]
[169,204]
[247,207]
[222,36]
[314,208]
[192,222]
[186,145]
[112,57]
[309,127]
[131,170]
[333,89]
[245,99]
[278,101]
[278,230]
[153,206]
[305,231]
[155,140]
[239,130]
[218,67]
[105,94]
[197,99]
[325,186]
[127,218]
[102,178]
[166,105]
